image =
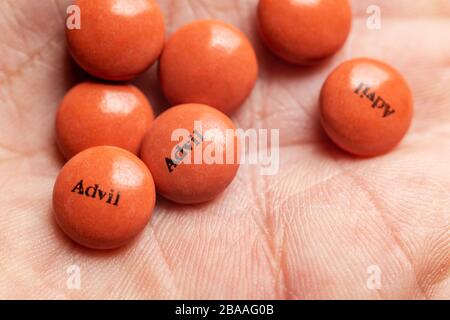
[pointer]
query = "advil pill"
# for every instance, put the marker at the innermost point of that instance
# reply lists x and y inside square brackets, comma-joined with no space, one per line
[95,114]
[103,197]
[192,152]
[366,107]
[208,62]
[304,31]
[117,39]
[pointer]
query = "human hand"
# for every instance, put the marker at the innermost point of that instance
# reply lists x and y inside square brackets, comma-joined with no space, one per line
[313,230]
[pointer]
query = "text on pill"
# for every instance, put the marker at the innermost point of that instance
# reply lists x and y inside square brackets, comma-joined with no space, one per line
[377,101]
[95,192]
[182,151]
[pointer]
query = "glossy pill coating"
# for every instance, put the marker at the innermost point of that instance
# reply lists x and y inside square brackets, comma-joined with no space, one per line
[366,107]
[195,181]
[96,114]
[118,39]
[208,62]
[103,197]
[304,31]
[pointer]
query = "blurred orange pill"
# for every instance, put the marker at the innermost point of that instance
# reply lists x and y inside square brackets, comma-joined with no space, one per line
[103,197]
[95,114]
[208,62]
[366,107]
[304,31]
[117,39]
[192,152]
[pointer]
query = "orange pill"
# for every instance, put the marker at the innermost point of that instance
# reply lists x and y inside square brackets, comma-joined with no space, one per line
[192,152]
[103,197]
[116,39]
[366,107]
[95,114]
[304,31]
[208,62]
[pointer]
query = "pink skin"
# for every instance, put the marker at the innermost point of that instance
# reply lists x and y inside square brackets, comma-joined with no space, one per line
[311,231]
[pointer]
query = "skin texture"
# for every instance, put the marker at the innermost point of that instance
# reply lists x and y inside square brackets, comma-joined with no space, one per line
[304,31]
[96,114]
[103,197]
[366,107]
[190,182]
[124,42]
[311,231]
[208,62]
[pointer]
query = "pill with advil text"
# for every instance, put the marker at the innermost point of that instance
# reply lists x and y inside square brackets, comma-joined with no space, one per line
[116,39]
[208,62]
[304,31]
[103,197]
[192,152]
[366,107]
[96,114]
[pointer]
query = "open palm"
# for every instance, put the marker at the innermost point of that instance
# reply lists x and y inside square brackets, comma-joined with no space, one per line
[320,228]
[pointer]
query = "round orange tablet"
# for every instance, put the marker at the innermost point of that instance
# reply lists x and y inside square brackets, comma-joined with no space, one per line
[103,197]
[117,39]
[366,107]
[95,114]
[208,62]
[192,152]
[304,31]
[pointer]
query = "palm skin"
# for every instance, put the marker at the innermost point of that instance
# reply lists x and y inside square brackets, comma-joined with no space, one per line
[311,231]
